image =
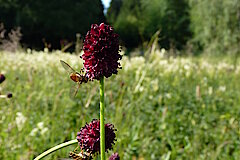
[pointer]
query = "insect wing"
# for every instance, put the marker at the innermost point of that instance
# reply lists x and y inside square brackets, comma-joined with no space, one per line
[67,67]
[74,90]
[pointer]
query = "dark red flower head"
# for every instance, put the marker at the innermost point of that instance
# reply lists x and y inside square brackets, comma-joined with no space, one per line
[9,95]
[89,137]
[114,156]
[101,52]
[2,78]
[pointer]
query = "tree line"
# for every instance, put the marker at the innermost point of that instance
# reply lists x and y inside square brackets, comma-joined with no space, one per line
[201,25]
[50,21]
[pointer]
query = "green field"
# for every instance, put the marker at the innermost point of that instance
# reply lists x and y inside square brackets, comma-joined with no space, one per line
[163,108]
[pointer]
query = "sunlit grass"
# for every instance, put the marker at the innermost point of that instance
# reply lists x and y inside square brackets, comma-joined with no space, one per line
[152,102]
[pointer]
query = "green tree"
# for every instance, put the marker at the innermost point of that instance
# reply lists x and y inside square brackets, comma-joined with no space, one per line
[127,21]
[137,21]
[171,17]
[52,20]
[113,10]
[216,25]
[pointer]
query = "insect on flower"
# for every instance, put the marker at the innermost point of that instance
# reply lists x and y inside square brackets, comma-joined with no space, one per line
[80,156]
[77,77]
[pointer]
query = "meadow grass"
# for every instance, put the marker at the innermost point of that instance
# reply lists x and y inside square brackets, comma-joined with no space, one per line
[163,108]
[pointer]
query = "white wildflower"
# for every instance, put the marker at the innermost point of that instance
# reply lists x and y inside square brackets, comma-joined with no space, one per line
[163,51]
[163,62]
[168,95]
[29,51]
[46,50]
[210,90]
[44,130]
[154,84]
[20,120]
[40,125]
[138,61]
[40,128]
[34,132]
[16,146]
[186,67]
[141,88]
[3,72]
[222,88]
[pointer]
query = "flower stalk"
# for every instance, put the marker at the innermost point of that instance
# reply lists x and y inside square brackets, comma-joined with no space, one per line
[102,128]
[55,148]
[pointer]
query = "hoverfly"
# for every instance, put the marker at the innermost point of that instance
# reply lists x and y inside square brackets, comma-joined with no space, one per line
[79,78]
[80,156]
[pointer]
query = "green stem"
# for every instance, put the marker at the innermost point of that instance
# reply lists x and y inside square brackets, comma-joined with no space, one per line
[51,150]
[102,126]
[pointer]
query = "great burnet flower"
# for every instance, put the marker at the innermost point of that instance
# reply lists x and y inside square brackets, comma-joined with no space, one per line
[2,78]
[89,137]
[101,52]
[114,156]
[9,95]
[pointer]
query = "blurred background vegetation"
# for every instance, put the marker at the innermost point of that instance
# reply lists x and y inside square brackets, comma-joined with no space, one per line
[177,95]
[195,25]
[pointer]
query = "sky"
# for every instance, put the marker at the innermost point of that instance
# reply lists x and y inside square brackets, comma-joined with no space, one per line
[106,4]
